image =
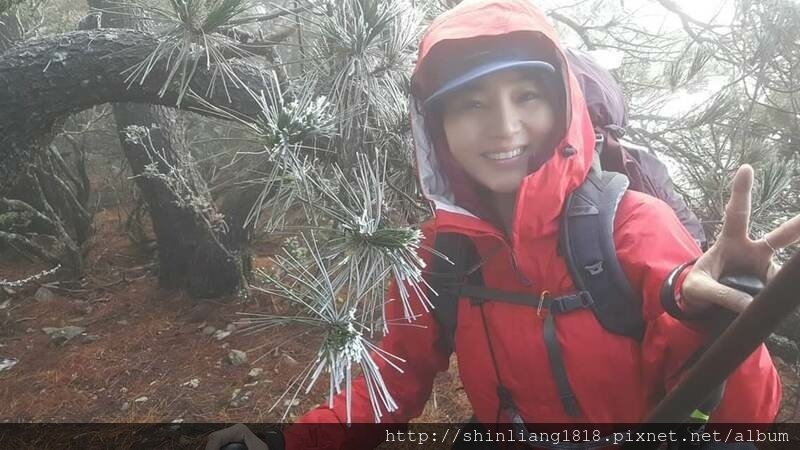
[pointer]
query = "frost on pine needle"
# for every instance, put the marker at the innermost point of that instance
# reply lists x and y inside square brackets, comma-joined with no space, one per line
[343,348]
[286,120]
[365,248]
[190,38]
[362,52]
[325,304]
[283,127]
[282,189]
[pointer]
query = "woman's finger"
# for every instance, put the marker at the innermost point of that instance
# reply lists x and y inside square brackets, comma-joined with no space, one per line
[785,235]
[222,437]
[704,289]
[737,211]
[772,270]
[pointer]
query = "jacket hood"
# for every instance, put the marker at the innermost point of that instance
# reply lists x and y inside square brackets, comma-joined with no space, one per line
[549,185]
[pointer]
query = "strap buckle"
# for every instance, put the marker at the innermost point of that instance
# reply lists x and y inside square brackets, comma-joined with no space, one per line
[586,299]
[599,140]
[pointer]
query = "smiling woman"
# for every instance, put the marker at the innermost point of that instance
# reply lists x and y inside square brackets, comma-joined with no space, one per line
[494,127]
[495,124]
[497,118]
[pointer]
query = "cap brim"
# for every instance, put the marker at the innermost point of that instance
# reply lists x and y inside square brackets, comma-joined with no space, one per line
[481,71]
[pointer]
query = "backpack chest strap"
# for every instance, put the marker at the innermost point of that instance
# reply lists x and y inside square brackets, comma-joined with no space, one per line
[555,305]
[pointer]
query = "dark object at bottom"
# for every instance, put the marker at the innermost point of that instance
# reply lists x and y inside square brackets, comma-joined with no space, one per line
[234,446]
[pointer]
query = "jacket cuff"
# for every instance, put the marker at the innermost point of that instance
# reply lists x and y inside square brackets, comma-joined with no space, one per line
[672,300]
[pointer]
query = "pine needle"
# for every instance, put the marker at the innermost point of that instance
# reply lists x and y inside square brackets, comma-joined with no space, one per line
[190,38]
[326,304]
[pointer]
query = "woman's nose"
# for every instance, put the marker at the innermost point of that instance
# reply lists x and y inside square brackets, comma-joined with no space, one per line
[505,120]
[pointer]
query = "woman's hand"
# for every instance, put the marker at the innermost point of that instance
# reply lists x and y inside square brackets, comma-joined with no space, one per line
[235,433]
[734,253]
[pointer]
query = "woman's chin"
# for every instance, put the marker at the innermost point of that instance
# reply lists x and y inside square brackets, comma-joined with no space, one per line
[503,187]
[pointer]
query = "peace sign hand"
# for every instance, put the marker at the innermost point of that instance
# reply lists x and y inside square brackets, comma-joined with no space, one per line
[734,253]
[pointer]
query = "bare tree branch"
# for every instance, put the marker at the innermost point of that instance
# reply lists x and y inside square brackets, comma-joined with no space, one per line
[578,28]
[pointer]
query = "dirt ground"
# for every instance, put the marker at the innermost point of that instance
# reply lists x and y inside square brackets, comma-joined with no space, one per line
[147,356]
[150,355]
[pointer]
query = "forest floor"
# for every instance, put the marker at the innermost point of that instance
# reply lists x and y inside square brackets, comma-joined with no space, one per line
[151,355]
[147,354]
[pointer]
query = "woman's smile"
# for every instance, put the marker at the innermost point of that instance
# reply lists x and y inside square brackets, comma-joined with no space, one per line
[503,156]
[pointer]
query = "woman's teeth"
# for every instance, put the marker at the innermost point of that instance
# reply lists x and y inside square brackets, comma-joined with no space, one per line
[505,155]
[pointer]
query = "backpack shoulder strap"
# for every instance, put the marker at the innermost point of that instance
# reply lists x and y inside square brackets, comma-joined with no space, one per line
[587,242]
[446,280]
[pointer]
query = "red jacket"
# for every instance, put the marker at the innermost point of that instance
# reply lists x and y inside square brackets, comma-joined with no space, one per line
[615,379]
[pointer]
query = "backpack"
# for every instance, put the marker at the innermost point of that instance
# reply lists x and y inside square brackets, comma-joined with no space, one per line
[585,239]
[646,173]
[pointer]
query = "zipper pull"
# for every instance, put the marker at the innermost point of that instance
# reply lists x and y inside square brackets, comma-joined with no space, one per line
[519,273]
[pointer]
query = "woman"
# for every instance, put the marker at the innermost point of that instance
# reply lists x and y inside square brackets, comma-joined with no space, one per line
[502,137]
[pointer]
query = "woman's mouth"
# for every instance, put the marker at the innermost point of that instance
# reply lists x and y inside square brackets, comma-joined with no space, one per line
[503,156]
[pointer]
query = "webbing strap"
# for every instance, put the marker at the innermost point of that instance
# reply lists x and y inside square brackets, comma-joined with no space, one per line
[568,399]
[485,293]
[556,305]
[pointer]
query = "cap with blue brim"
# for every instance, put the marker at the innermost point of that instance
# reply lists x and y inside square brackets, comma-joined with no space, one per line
[490,63]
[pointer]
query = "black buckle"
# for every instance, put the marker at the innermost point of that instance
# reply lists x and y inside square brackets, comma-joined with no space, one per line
[559,305]
[568,303]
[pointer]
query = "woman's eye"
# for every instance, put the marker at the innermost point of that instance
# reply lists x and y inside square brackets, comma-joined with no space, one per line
[529,96]
[472,104]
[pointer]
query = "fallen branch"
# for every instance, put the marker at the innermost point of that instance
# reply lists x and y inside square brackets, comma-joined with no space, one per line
[24,281]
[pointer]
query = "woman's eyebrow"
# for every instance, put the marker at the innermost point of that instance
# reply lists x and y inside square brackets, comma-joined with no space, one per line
[525,78]
[529,77]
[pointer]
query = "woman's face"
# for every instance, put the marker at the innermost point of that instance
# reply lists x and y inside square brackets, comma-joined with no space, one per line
[494,125]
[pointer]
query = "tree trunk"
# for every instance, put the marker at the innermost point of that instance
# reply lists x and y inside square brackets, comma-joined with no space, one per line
[195,249]
[192,254]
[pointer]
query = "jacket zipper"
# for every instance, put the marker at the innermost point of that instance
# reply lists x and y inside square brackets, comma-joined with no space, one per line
[522,278]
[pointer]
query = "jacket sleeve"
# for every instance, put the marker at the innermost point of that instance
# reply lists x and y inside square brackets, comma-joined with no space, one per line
[651,242]
[326,428]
